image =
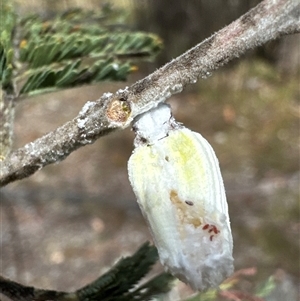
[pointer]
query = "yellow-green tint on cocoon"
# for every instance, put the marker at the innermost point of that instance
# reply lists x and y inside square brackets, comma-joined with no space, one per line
[176,178]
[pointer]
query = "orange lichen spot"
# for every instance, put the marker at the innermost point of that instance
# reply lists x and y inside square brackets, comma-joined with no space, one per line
[118,110]
[134,68]
[23,43]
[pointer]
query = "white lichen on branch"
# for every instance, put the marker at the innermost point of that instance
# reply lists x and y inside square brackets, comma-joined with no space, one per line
[269,20]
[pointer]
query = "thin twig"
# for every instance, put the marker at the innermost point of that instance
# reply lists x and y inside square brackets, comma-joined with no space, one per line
[269,20]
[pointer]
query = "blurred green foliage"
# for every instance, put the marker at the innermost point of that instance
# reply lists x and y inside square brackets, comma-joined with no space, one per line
[72,49]
[120,283]
[7,24]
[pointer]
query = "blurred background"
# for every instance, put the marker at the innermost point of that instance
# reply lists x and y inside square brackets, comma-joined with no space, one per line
[71,221]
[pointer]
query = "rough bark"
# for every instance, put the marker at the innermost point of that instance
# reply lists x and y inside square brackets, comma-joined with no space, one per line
[7,113]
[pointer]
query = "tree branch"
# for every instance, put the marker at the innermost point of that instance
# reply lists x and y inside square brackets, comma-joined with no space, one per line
[269,20]
[7,113]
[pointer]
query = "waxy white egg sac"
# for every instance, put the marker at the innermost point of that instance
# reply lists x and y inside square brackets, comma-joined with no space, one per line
[176,178]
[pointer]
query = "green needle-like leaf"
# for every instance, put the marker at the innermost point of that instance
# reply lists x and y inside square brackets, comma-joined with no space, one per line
[55,52]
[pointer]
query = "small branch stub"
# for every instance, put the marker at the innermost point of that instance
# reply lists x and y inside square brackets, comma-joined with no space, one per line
[118,110]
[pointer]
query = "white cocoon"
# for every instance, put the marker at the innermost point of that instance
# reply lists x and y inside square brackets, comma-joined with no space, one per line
[176,178]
